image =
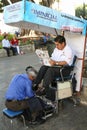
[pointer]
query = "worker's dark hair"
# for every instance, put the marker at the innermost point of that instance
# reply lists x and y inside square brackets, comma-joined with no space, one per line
[28,67]
[31,71]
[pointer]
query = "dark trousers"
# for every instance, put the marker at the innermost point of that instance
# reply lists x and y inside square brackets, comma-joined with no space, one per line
[48,74]
[7,50]
[17,105]
[14,50]
[34,104]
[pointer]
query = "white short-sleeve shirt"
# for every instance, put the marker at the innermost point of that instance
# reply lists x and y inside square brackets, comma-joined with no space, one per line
[5,43]
[63,55]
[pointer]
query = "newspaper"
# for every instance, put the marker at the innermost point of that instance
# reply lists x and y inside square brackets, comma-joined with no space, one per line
[43,56]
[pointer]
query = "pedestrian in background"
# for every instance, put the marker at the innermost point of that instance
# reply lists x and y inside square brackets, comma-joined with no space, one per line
[7,46]
[14,44]
[46,38]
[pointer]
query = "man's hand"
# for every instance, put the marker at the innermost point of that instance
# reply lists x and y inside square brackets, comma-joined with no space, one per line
[52,62]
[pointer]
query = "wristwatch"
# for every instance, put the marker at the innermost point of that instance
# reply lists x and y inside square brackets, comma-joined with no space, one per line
[57,63]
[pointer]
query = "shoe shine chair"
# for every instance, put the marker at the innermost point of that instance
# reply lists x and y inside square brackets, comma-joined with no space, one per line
[63,88]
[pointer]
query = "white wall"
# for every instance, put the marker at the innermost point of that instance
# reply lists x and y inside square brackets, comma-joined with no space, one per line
[76,41]
[6,28]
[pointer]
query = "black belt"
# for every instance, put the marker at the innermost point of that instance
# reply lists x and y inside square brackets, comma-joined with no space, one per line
[11,100]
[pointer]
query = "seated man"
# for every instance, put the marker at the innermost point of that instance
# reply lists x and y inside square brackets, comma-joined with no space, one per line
[62,55]
[20,95]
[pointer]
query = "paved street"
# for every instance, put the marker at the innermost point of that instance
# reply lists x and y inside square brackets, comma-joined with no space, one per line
[69,118]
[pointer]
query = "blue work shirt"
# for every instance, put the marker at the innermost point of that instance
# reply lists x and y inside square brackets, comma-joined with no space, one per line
[20,88]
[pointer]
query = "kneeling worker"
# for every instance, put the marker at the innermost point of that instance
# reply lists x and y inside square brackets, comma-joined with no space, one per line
[20,95]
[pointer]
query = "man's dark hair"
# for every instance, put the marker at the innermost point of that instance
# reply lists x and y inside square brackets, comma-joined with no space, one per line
[5,36]
[60,39]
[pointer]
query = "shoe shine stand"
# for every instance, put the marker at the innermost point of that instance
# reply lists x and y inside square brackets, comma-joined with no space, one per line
[29,15]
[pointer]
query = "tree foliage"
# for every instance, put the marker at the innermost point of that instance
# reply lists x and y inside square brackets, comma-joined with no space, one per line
[1,5]
[81,11]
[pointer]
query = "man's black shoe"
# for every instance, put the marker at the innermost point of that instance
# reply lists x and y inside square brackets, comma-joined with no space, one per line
[40,120]
[35,87]
[41,92]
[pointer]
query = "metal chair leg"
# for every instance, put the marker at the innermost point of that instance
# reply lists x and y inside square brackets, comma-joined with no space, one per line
[24,122]
[57,109]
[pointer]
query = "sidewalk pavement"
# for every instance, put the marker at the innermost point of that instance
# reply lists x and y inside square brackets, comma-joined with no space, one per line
[70,117]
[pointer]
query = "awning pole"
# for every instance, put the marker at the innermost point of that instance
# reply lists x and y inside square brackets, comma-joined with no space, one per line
[24,1]
[56,32]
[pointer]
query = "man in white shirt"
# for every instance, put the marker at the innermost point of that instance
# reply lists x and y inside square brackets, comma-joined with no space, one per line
[62,55]
[6,45]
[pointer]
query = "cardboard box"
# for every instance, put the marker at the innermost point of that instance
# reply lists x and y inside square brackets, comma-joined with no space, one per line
[64,90]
